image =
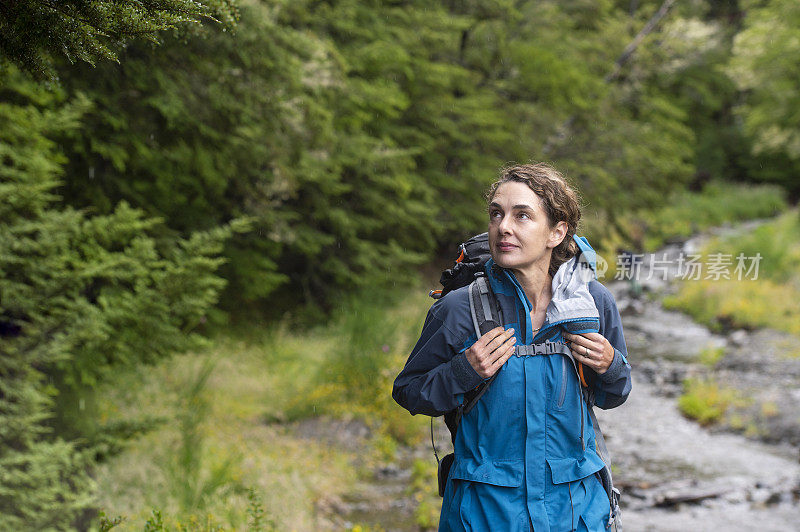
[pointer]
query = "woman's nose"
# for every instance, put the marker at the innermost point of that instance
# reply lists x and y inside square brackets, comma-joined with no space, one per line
[505,225]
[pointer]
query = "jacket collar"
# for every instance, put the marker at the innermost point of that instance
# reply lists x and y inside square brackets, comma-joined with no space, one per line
[571,305]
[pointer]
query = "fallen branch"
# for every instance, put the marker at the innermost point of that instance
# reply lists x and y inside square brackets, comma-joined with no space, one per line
[669,500]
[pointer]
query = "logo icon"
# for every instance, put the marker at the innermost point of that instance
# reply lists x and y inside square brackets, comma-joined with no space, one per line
[591,266]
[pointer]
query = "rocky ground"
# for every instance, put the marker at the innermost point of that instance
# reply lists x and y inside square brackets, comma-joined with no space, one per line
[676,475]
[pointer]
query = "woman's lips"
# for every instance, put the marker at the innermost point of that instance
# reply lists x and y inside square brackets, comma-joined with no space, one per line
[505,247]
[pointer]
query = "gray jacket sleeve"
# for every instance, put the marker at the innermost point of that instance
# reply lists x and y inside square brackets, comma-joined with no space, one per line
[612,387]
[437,371]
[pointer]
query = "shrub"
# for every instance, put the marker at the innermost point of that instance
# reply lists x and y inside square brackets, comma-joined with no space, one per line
[705,401]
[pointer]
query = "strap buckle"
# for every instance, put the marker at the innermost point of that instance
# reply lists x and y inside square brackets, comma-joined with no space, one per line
[544,348]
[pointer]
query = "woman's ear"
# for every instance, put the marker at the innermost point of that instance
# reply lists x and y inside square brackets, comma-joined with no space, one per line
[557,234]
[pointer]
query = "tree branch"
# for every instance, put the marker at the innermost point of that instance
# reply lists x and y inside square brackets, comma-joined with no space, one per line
[634,44]
[563,130]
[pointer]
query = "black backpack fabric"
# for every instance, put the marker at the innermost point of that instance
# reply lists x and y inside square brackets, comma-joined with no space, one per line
[472,257]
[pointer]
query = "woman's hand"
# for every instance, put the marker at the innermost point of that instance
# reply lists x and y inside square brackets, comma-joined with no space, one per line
[490,352]
[592,350]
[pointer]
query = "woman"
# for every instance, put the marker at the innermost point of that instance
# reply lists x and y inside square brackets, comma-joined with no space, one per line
[525,455]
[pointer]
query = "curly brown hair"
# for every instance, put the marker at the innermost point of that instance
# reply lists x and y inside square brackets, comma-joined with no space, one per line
[559,200]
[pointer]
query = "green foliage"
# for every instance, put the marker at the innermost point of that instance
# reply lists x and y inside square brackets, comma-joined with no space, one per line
[192,486]
[369,343]
[258,521]
[705,401]
[633,144]
[107,523]
[686,213]
[32,32]
[253,379]
[424,488]
[732,304]
[771,301]
[44,482]
[711,355]
[44,485]
[81,296]
[691,56]
[156,523]
[777,242]
[766,73]
[283,137]
[360,135]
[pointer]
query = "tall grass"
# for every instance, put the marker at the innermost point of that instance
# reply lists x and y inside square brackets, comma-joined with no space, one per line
[193,482]
[773,300]
[369,343]
[231,423]
[718,203]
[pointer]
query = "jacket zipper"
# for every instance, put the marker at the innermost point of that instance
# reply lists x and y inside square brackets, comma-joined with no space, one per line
[540,334]
[563,393]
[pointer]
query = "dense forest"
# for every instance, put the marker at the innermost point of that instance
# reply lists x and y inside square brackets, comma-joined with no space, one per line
[166,167]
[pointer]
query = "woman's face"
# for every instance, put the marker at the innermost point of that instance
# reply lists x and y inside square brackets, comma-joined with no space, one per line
[520,234]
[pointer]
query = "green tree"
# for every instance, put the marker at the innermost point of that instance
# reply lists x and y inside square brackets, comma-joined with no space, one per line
[313,137]
[764,68]
[34,32]
[360,135]
[81,295]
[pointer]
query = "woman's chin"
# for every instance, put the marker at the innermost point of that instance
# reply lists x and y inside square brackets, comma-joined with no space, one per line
[504,261]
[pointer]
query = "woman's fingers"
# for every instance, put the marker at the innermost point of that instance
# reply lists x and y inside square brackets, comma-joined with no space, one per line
[498,341]
[502,359]
[487,338]
[578,343]
[595,352]
[591,362]
[496,350]
[490,347]
[501,351]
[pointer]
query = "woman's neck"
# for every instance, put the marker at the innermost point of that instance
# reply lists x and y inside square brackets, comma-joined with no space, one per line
[537,285]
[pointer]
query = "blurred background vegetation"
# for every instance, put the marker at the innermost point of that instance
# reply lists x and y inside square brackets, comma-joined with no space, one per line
[258,186]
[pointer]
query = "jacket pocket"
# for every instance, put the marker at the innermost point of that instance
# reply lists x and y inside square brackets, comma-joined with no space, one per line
[578,493]
[571,469]
[507,473]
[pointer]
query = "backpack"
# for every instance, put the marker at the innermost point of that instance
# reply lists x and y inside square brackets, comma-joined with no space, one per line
[484,309]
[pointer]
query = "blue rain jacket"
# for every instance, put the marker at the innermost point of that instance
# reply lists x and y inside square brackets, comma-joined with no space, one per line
[521,462]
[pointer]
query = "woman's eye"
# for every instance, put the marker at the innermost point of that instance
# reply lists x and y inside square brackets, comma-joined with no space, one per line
[523,216]
[494,214]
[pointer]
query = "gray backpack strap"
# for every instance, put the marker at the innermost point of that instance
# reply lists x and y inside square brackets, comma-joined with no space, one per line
[605,475]
[563,349]
[600,441]
[606,478]
[485,317]
[483,306]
